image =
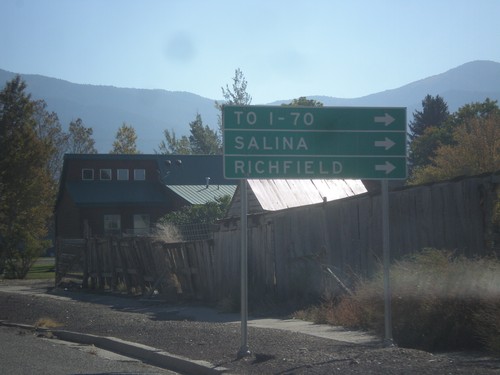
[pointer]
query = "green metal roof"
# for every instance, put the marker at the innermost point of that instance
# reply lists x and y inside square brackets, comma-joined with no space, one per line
[201,194]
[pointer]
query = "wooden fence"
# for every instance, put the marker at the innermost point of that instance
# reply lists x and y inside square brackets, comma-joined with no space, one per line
[139,265]
[305,251]
[302,252]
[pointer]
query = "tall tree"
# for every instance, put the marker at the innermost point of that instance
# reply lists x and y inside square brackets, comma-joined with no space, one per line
[434,113]
[49,129]
[423,148]
[80,138]
[303,102]
[428,130]
[475,150]
[26,186]
[125,142]
[236,95]
[173,145]
[203,140]
[477,110]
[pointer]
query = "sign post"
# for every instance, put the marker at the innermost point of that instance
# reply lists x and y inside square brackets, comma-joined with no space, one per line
[244,350]
[387,263]
[266,142]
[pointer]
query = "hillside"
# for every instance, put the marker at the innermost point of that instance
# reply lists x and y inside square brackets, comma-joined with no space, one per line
[105,108]
[471,82]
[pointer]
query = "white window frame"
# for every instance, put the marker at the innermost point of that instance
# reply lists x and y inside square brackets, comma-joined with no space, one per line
[103,171]
[112,223]
[121,177]
[139,174]
[141,219]
[86,170]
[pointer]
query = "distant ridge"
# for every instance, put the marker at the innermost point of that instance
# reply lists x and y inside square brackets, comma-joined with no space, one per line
[471,82]
[105,108]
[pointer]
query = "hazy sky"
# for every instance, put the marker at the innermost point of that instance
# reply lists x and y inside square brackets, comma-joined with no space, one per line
[285,49]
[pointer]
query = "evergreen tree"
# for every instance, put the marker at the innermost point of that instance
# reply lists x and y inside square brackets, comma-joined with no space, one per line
[428,130]
[237,95]
[26,187]
[203,140]
[173,145]
[434,113]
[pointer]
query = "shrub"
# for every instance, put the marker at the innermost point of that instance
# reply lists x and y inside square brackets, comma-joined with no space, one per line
[20,259]
[439,302]
[487,317]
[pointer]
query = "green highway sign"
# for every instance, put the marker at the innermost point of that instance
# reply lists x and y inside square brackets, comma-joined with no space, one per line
[314,142]
[285,142]
[314,118]
[312,167]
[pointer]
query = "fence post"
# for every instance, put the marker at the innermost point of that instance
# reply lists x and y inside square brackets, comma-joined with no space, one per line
[244,350]
[86,252]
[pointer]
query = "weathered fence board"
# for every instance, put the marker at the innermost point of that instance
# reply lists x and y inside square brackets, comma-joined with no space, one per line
[141,266]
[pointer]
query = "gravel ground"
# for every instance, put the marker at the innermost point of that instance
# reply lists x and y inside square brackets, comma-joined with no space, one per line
[273,351]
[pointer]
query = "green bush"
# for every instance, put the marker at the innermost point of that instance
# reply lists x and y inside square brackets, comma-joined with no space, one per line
[21,259]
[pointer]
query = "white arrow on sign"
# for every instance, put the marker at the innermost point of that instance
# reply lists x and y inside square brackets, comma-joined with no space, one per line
[387,143]
[386,119]
[387,167]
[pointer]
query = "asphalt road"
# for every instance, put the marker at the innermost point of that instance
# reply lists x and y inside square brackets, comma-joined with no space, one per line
[21,352]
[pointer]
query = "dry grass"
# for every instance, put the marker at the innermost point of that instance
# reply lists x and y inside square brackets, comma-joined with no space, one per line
[439,302]
[47,323]
[167,233]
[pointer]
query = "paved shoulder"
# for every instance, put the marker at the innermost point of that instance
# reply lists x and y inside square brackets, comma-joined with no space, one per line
[22,352]
[318,330]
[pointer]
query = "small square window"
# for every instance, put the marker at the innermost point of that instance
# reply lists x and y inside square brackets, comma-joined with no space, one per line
[122,174]
[87,174]
[112,224]
[105,174]
[139,174]
[141,224]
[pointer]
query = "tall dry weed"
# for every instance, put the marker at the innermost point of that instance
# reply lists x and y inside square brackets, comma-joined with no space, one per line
[440,301]
[167,233]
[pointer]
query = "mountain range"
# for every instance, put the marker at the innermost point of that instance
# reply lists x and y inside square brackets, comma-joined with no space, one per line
[150,112]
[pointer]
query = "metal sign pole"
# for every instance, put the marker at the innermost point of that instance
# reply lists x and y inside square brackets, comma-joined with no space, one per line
[244,350]
[387,262]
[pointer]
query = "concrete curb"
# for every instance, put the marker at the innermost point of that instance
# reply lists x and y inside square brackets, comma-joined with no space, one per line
[146,354]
